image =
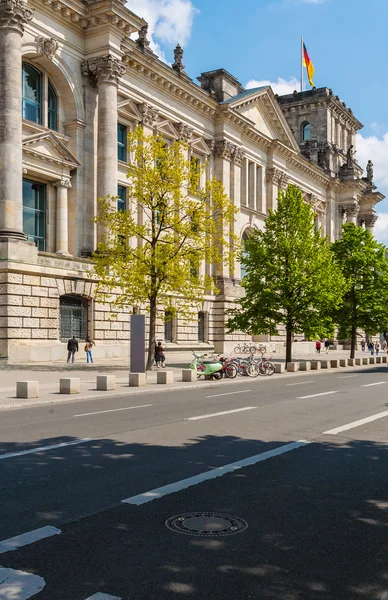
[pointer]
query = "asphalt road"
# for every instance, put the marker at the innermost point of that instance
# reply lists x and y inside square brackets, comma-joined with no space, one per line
[316,511]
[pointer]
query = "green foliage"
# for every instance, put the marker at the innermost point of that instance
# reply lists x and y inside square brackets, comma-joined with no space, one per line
[154,249]
[365,269]
[291,277]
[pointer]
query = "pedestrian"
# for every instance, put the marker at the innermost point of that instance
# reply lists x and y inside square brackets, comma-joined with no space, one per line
[327,346]
[72,348]
[363,345]
[88,349]
[377,348]
[384,346]
[371,348]
[159,355]
[318,346]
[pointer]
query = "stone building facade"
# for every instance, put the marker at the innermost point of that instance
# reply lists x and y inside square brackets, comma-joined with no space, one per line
[75,76]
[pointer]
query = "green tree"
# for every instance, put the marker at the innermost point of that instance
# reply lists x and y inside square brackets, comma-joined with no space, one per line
[291,276]
[151,253]
[365,269]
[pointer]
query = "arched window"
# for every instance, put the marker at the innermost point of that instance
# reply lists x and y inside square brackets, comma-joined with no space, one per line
[32,93]
[243,253]
[201,327]
[306,132]
[73,317]
[52,116]
[168,326]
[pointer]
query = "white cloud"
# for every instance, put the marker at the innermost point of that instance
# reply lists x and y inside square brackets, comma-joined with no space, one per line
[170,21]
[381,228]
[281,86]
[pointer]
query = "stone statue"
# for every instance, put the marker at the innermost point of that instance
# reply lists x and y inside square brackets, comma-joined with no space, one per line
[306,151]
[178,65]
[350,156]
[324,158]
[369,171]
[142,41]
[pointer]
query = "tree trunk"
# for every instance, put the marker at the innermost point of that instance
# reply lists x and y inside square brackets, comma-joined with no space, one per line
[353,341]
[288,345]
[151,336]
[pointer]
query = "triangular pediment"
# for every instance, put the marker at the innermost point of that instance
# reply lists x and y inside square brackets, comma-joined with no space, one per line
[262,109]
[49,147]
[130,110]
[167,129]
[199,145]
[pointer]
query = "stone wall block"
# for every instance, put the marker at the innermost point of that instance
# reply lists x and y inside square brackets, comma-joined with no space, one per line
[5,299]
[40,312]
[116,326]
[68,286]
[41,334]
[13,322]
[40,291]
[53,292]
[52,334]
[104,325]
[30,322]
[19,333]
[30,301]
[15,278]
[49,303]
[49,282]
[110,335]
[52,313]
[32,280]
[61,287]
[18,311]
[123,335]
[20,290]
[49,323]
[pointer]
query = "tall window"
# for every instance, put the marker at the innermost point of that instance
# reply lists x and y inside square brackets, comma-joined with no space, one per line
[243,253]
[73,317]
[201,326]
[32,93]
[306,132]
[121,142]
[168,329]
[52,108]
[34,212]
[122,198]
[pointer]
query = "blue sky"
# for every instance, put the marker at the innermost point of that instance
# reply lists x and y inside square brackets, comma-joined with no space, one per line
[259,41]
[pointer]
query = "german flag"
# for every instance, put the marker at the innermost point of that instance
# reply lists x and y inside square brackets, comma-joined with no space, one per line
[309,66]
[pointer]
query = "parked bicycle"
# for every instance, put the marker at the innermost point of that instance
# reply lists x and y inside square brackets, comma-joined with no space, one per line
[246,349]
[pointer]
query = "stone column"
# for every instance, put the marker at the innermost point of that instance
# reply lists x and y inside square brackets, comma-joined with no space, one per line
[62,217]
[370,222]
[352,214]
[14,14]
[106,71]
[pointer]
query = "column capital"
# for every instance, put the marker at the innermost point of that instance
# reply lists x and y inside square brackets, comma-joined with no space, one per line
[224,149]
[368,220]
[63,183]
[149,114]
[238,156]
[14,14]
[185,132]
[104,69]
[277,177]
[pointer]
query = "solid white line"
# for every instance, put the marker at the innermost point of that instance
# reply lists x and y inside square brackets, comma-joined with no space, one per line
[213,474]
[316,395]
[44,448]
[229,394]
[28,538]
[347,376]
[372,384]
[226,412]
[100,596]
[356,423]
[300,383]
[102,412]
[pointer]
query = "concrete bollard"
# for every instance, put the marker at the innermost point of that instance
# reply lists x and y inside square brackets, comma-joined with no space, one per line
[334,363]
[384,359]
[344,362]
[189,375]
[365,361]
[71,385]
[352,362]
[372,360]
[326,364]
[378,360]
[106,382]
[137,380]
[280,368]
[358,361]
[164,377]
[316,365]
[305,366]
[27,389]
[292,367]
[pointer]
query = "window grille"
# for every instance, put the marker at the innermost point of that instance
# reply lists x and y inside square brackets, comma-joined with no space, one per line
[73,317]
[168,329]
[201,326]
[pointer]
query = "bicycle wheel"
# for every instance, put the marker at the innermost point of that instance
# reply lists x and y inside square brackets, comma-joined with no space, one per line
[270,368]
[237,350]
[252,370]
[253,349]
[231,371]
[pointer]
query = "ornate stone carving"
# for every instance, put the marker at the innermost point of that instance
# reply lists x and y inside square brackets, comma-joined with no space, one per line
[238,156]
[369,220]
[104,69]
[178,65]
[277,177]
[211,144]
[65,183]
[369,171]
[350,212]
[47,46]
[14,14]
[306,150]
[324,157]
[142,41]
[185,132]
[350,157]
[149,114]
[224,149]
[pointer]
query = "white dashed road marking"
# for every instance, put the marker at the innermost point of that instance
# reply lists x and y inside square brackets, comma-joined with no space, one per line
[356,424]
[100,596]
[372,384]
[27,538]
[347,376]
[316,395]
[300,383]
[229,394]
[44,449]
[213,474]
[101,412]
[17,585]
[226,412]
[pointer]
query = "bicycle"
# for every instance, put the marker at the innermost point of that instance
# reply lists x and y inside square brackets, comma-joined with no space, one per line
[246,349]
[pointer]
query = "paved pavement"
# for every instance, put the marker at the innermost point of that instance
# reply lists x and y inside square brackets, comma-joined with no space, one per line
[316,510]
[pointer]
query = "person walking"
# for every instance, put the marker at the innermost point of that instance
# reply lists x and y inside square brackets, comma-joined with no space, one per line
[88,349]
[327,346]
[371,348]
[318,346]
[159,355]
[363,345]
[72,348]
[377,348]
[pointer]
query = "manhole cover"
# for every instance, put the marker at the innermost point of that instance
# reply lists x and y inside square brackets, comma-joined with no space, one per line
[206,524]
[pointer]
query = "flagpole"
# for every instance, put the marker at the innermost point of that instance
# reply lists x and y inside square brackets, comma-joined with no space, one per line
[301,65]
